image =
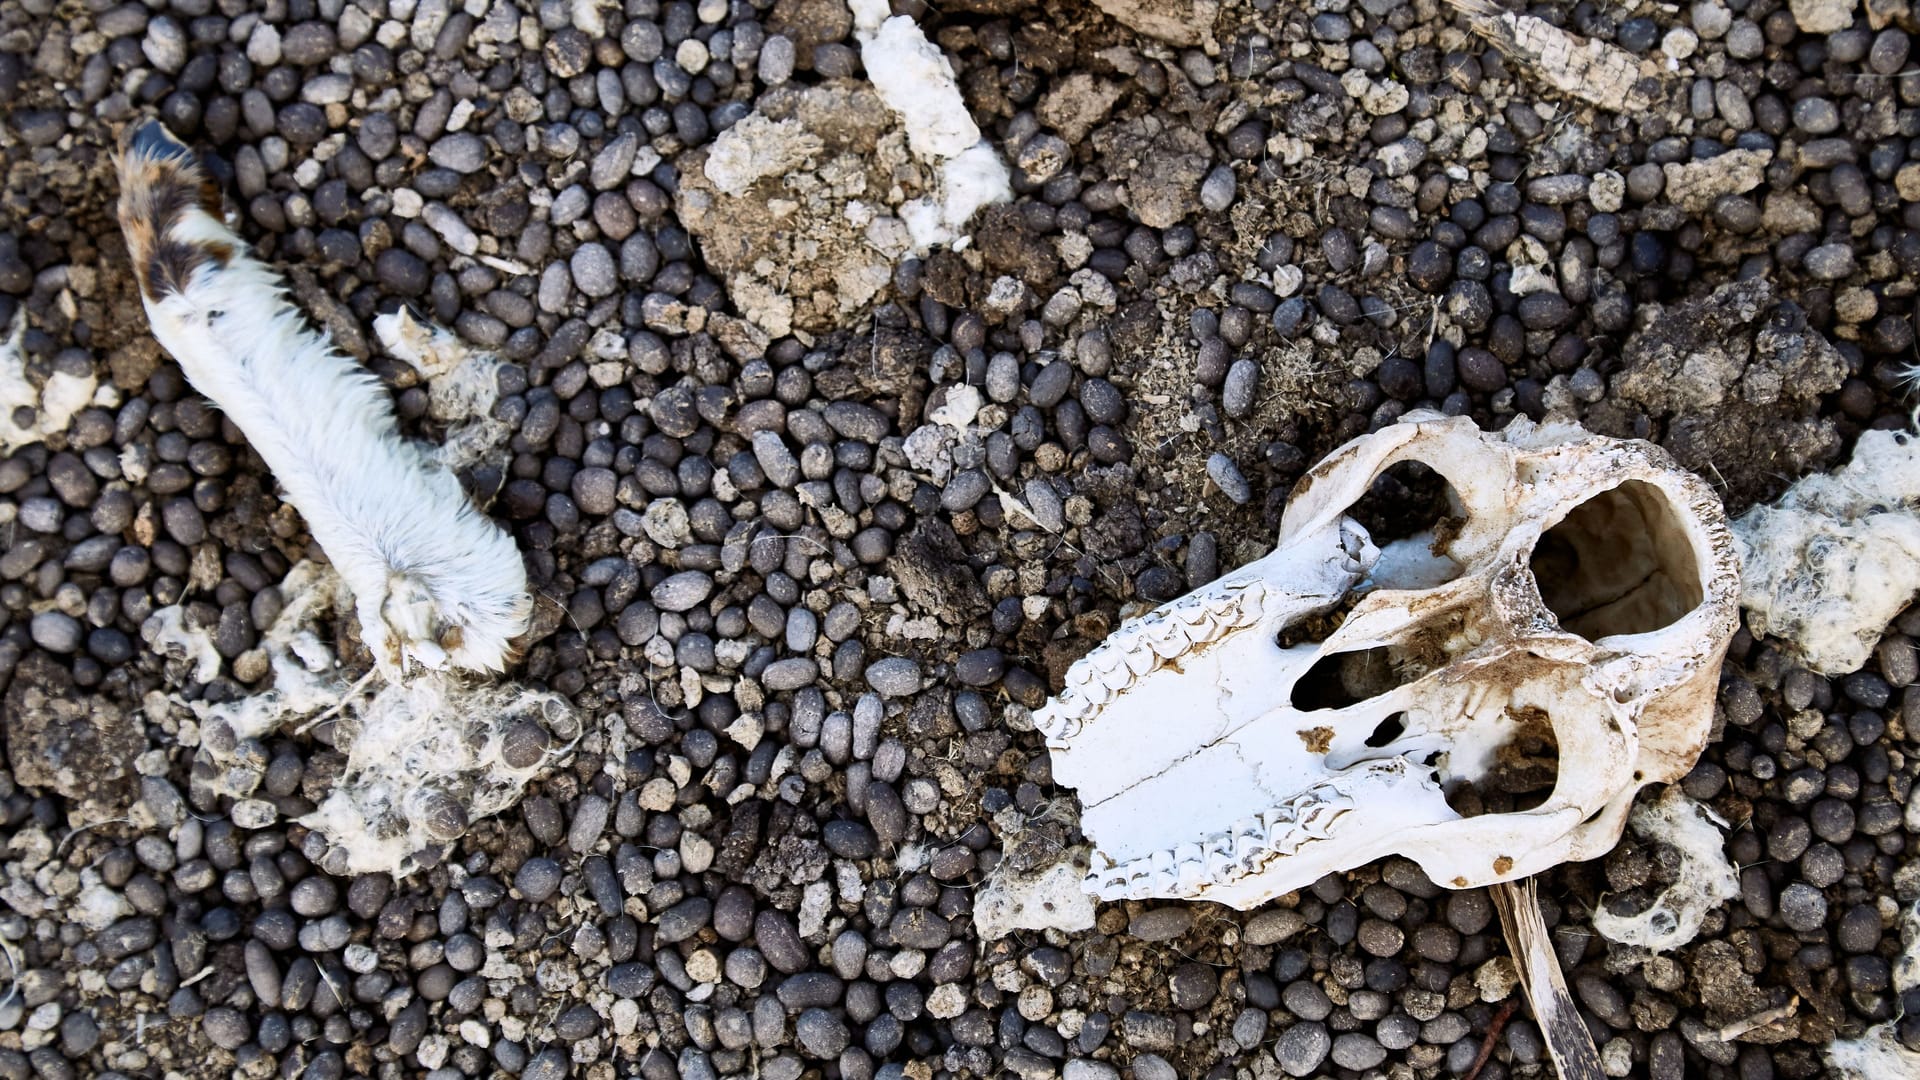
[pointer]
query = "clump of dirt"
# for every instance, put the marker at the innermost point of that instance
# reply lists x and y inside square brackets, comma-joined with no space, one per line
[1731,382]
[793,205]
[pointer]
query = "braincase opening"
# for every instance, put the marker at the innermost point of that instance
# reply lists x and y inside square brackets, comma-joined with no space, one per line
[1619,563]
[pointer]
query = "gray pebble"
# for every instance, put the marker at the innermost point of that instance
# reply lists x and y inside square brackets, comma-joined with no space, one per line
[594,271]
[1302,1048]
[791,673]
[57,632]
[315,896]
[1226,476]
[614,161]
[1161,924]
[821,1034]
[682,591]
[1217,191]
[1357,1051]
[166,44]
[1250,1028]
[548,1064]
[1241,390]
[777,57]
[537,878]
[1829,262]
[461,151]
[886,812]
[594,490]
[1153,1067]
[1803,907]
[226,1028]
[683,920]
[780,943]
[894,676]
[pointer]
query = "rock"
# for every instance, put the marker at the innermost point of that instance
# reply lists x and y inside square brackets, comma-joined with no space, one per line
[1273,926]
[931,568]
[1740,374]
[1695,185]
[1051,898]
[56,631]
[1822,16]
[755,148]
[1161,923]
[1074,104]
[462,151]
[611,165]
[1302,1048]
[682,591]
[784,202]
[895,676]
[1185,23]
[1217,190]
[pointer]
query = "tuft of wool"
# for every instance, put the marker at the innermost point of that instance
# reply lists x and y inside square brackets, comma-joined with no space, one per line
[917,82]
[1830,563]
[435,582]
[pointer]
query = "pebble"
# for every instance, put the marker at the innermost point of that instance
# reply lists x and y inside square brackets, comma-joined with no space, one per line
[1241,389]
[537,878]
[1829,262]
[1803,907]
[461,151]
[594,271]
[1302,1047]
[57,632]
[682,591]
[894,676]
[1160,924]
[1218,189]
[1226,476]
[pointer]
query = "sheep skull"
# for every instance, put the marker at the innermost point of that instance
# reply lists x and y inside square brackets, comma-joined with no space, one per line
[1337,701]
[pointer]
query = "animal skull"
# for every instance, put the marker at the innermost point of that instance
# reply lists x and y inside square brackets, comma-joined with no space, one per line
[1336,702]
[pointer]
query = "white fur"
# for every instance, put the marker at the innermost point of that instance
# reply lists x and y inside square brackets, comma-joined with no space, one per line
[419,558]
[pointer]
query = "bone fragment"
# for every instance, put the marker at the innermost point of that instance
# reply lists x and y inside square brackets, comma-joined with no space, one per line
[1595,72]
[1569,1043]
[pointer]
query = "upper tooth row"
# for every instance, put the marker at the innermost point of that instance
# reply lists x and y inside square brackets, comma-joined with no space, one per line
[1145,644]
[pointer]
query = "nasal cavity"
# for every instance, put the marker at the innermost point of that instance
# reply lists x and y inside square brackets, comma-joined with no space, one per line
[1619,563]
[1338,680]
[1411,513]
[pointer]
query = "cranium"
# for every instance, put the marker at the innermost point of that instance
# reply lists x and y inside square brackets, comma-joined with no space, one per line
[1562,625]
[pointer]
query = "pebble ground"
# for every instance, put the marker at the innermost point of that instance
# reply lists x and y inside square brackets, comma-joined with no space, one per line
[818,660]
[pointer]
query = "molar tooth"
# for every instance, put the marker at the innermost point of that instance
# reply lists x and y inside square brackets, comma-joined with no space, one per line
[1169,647]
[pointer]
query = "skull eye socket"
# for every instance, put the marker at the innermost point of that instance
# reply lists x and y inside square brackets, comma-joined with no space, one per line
[1411,513]
[1619,563]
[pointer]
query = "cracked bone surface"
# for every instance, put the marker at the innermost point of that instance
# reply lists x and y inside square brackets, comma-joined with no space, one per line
[1556,631]
[435,582]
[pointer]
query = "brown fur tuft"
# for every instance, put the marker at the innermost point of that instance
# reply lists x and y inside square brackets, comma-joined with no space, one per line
[157,187]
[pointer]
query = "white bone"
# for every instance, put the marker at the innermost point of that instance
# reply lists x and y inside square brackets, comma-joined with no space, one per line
[1201,778]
